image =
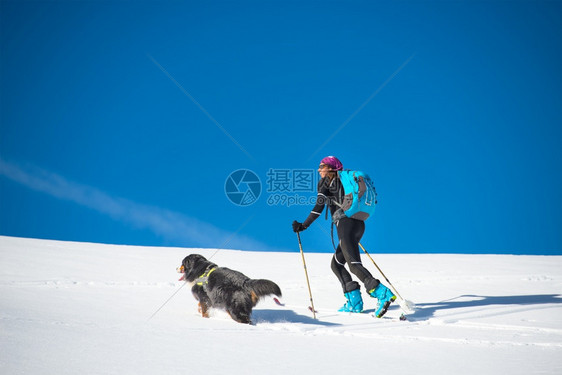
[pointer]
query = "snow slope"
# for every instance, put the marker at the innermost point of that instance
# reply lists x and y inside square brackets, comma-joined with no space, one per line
[80,308]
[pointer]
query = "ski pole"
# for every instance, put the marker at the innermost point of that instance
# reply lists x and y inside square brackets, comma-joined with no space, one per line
[383,275]
[306,274]
[406,306]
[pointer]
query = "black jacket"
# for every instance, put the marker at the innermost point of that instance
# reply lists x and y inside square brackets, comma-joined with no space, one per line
[330,193]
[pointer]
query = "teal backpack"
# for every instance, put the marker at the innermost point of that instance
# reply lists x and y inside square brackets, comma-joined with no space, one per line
[360,196]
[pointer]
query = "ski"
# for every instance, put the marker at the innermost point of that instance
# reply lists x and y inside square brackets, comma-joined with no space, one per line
[324,314]
[327,313]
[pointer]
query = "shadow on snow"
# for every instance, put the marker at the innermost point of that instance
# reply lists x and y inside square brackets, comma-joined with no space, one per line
[286,316]
[427,310]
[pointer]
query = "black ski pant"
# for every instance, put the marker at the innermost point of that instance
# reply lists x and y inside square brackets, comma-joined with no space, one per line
[350,232]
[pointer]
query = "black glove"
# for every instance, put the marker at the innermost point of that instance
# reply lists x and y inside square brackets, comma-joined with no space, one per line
[298,227]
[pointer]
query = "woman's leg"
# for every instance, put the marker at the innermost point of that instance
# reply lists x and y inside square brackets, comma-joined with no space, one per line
[338,267]
[350,232]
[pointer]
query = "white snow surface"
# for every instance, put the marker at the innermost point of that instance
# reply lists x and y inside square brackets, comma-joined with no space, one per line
[82,308]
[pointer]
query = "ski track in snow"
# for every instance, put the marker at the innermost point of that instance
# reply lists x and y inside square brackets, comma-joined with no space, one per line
[65,289]
[285,319]
[366,326]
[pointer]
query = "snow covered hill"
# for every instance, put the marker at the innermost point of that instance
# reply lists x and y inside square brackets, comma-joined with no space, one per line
[81,308]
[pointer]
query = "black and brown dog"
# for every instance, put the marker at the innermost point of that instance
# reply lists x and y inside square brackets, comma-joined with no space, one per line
[221,287]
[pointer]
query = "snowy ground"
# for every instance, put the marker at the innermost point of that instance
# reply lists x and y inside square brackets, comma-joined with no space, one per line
[79,308]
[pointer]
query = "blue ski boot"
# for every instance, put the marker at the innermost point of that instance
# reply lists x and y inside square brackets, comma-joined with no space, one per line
[385,297]
[354,302]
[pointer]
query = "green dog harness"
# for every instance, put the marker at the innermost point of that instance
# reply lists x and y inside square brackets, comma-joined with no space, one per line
[204,278]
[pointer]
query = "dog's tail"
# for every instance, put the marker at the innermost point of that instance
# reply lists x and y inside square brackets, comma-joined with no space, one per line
[262,288]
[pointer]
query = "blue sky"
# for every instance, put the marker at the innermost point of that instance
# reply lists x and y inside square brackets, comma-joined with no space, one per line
[120,122]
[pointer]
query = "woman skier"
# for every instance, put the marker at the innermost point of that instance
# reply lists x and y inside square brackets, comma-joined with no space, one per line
[350,231]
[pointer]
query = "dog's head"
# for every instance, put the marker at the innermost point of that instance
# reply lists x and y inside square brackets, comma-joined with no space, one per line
[193,266]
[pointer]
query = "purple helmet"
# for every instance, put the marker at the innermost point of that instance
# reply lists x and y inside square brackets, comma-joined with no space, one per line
[332,162]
